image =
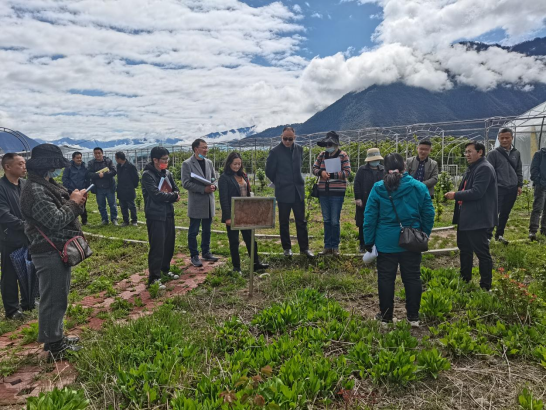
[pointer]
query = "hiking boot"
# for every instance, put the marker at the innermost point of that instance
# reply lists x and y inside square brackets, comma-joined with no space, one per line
[115,222]
[502,240]
[172,275]
[18,315]
[59,350]
[71,340]
[325,252]
[287,253]
[209,257]
[196,261]
[336,252]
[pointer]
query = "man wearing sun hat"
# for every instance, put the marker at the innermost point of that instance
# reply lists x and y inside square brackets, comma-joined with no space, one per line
[366,177]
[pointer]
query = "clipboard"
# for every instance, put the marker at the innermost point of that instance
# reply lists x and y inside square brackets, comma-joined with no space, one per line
[333,165]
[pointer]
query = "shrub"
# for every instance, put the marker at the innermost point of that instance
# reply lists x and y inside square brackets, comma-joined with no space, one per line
[396,366]
[432,362]
[65,399]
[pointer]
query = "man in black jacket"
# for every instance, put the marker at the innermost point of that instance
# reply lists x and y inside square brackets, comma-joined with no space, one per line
[506,162]
[284,169]
[75,177]
[160,214]
[476,213]
[537,175]
[128,181]
[12,231]
[105,185]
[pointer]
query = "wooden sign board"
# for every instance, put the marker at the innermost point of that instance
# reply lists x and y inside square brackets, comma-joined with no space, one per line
[253,213]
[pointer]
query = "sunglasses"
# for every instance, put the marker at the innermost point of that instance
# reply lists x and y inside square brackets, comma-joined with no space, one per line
[288,139]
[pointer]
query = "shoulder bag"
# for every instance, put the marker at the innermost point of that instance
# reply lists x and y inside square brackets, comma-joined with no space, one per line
[315,188]
[411,239]
[75,250]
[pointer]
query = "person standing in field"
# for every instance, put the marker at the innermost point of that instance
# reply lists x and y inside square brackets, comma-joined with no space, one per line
[423,168]
[476,213]
[367,176]
[284,169]
[508,167]
[332,190]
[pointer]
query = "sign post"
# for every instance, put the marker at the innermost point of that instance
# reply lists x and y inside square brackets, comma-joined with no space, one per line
[252,213]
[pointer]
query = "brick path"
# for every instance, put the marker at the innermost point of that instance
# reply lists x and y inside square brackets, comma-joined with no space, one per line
[30,380]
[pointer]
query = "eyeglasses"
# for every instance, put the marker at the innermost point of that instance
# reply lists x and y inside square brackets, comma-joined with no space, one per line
[288,139]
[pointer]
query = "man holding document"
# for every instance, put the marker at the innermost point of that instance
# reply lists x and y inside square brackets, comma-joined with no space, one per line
[332,168]
[198,178]
[159,192]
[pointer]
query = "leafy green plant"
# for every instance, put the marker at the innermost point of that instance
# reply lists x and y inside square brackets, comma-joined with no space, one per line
[396,366]
[432,362]
[65,399]
[527,401]
[139,199]
[444,185]
[30,333]
[154,290]
[261,175]
[436,303]
[77,315]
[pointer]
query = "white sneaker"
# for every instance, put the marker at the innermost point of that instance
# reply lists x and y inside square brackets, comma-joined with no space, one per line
[161,285]
[172,275]
[414,323]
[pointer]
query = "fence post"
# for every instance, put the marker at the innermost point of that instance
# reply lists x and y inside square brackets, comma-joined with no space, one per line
[254,165]
[442,151]
[309,154]
[397,143]
[358,149]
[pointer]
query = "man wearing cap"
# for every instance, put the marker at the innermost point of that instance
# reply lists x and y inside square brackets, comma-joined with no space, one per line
[284,169]
[423,168]
[366,177]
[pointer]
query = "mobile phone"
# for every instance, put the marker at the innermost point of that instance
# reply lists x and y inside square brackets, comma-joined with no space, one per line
[89,188]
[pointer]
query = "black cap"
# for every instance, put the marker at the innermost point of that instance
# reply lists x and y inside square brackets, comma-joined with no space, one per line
[331,137]
[47,156]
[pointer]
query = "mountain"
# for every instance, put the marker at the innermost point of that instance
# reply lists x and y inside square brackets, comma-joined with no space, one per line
[400,104]
[90,144]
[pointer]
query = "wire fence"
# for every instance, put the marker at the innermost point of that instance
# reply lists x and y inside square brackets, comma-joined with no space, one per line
[448,140]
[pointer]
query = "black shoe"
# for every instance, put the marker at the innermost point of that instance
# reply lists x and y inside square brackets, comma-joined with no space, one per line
[287,253]
[115,222]
[59,350]
[326,252]
[71,340]
[16,316]
[502,240]
[307,253]
[237,271]
[84,223]
[532,237]
[196,261]
[384,321]
[261,266]
[125,223]
[209,257]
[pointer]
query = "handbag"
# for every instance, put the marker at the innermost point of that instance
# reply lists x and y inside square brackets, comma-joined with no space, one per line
[411,239]
[75,250]
[315,189]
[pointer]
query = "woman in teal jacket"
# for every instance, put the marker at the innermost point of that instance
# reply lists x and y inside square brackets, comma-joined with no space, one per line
[413,203]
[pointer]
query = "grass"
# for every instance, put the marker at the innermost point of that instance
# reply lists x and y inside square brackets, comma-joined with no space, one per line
[307,338]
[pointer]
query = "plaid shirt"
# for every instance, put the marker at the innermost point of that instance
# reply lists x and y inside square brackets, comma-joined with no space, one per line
[47,205]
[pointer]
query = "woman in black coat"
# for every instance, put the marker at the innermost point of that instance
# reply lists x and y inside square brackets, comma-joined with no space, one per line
[234,183]
[366,177]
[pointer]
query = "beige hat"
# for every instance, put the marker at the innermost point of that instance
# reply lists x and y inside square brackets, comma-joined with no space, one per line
[373,154]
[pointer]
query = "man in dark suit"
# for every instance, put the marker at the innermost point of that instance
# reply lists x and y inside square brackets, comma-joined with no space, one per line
[128,181]
[476,213]
[284,169]
[537,175]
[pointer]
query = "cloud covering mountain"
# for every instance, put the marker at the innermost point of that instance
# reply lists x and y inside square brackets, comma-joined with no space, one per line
[100,69]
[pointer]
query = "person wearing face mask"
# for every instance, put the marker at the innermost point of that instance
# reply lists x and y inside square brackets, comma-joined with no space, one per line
[366,177]
[332,190]
[160,214]
[423,168]
[48,207]
[234,183]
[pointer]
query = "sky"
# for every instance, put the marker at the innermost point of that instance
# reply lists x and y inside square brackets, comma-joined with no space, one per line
[107,69]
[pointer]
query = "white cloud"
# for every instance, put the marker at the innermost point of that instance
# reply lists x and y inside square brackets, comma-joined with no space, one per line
[317,15]
[297,9]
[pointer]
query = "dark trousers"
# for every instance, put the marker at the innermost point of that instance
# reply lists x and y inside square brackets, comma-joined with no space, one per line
[475,241]
[361,237]
[409,263]
[127,205]
[299,212]
[104,195]
[9,283]
[193,232]
[161,237]
[506,201]
[538,209]
[233,238]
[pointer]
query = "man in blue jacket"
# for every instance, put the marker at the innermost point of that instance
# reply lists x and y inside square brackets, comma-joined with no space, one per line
[537,175]
[476,213]
[75,177]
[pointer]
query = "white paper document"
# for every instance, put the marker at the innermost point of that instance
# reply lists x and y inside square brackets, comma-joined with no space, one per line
[200,179]
[333,165]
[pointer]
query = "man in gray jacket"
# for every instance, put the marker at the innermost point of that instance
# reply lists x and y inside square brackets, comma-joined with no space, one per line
[423,168]
[201,201]
[506,161]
